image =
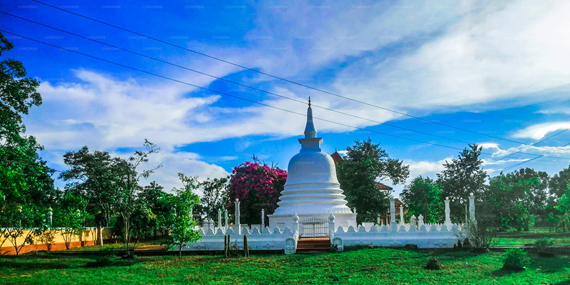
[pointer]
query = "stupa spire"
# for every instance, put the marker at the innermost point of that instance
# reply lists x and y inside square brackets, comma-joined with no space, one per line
[310,130]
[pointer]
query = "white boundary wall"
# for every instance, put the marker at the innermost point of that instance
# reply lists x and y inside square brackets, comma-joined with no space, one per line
[395,234]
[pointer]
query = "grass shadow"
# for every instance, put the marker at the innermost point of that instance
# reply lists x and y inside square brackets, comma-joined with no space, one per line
[550,265]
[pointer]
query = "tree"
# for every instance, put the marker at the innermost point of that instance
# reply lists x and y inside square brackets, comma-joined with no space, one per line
[461,177]
[69,217]
[151,197]
[423,196]
[24,176]
[518,197]
[364,164]
[127,180]
[214,197]
[564,204]
[179,220]
[20,225]
[92,176]
[557,183]
[257,187]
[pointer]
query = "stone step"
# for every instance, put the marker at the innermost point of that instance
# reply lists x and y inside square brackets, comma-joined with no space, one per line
[305,245]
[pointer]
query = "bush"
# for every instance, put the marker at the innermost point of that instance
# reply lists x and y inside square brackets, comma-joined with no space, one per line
[543,244]
[515,259]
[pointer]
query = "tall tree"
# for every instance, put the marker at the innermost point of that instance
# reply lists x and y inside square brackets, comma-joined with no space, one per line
[92,176]
[24,176]
[557,184]
[564,205]
[461,177]
[214,197]
[423,196]
[127,181]
[364,164]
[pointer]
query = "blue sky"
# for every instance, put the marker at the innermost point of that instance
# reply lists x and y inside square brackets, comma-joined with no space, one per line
[500,70]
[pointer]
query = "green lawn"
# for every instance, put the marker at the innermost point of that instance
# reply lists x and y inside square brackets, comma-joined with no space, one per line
[521,238]
[367,266]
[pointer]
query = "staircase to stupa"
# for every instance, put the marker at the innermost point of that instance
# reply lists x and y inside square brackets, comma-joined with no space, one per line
[308,245]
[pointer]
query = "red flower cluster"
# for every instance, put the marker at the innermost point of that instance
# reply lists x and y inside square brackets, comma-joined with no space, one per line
[257,186]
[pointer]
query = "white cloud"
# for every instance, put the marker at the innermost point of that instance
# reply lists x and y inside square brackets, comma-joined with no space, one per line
[538,150]
[539,131]
[559,110]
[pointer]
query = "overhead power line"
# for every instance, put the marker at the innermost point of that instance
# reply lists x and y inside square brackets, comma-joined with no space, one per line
[533,144]
[527,161]
[230,95]
[233,82]
[272,76]
[240,84]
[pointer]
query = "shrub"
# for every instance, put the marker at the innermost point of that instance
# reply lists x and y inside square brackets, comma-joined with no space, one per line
[333,248]
[515,258]
[543,244]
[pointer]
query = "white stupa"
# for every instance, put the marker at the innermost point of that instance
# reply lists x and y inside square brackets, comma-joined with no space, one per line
[312,190]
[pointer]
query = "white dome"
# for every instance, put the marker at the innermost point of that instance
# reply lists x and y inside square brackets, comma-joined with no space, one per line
[312,186]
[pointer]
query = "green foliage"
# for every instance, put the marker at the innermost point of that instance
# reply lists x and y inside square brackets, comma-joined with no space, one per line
[558,183]
[364,163]
[518,197]
[461,177]
[180,221]
[423,196]
[515,258]
[127,180]
[93,176]
[214,197]
[20,224]
[70,219]
[24,176]
[543,244]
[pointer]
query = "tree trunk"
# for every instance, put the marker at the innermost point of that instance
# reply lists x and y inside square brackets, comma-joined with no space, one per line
[126,233]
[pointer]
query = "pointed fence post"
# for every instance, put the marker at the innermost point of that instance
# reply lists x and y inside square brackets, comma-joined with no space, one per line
[472,207]
[226,219]
[447,212]
[50,216]
[237,218]
[296,224]
[262,218]
[420,220]
[402,219]
[393,214]
[219,218]
[413,220]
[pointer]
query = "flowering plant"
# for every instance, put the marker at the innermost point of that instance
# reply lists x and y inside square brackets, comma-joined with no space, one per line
[258,187]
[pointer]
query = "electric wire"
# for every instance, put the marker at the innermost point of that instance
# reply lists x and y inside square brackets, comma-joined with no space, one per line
[230,95]
[272,76]
[527,161]
[243,85]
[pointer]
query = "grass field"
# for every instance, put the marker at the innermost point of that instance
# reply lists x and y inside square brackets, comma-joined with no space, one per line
[366,266]
[522,238]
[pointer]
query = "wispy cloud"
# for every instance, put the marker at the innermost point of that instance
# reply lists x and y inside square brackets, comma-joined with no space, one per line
[539,131]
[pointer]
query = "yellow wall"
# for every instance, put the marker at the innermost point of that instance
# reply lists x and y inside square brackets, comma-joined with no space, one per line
[89,234]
